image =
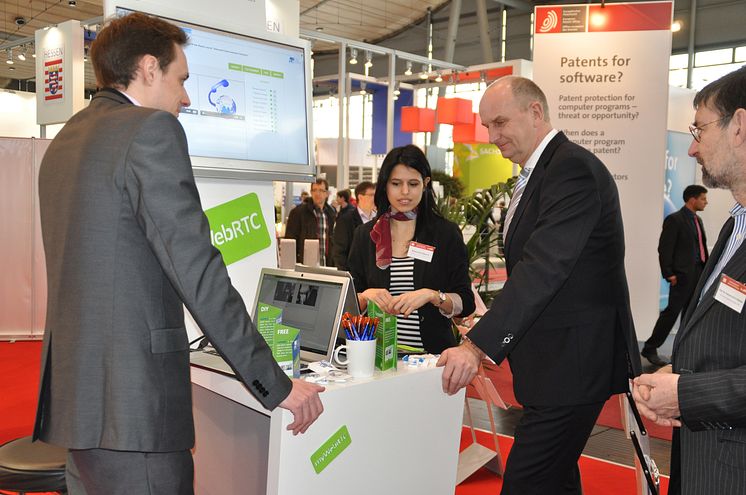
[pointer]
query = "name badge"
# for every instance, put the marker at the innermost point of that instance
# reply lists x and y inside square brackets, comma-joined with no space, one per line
[421,252]
[731,292]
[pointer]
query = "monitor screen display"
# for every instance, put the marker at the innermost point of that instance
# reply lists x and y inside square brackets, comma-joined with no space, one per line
[248,107]
[309,305]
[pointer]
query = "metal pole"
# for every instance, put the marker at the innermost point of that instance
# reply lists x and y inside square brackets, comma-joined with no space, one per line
[692,32]
[484,36]
[342,95]
[450,48]
[390,103]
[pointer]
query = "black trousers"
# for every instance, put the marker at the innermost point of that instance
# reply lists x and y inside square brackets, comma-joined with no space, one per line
[678,300]
[113,472]
[548,444]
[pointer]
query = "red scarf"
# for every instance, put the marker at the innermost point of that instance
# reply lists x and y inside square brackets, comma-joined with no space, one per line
[381,235]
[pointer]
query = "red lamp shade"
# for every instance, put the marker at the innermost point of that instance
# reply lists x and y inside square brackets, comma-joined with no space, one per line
[471,133]
[416,119]
[454,111]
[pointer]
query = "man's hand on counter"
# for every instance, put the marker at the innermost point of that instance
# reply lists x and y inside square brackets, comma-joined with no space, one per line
[461,366]
[305,404]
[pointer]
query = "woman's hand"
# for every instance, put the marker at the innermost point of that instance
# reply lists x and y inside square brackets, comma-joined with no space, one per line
[409,301]
[381,297]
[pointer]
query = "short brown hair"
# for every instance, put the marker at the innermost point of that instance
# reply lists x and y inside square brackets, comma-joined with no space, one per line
[363,187]
[320,181]
[119,47]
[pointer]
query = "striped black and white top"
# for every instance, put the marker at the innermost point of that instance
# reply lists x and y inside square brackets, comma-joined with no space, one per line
[402,280]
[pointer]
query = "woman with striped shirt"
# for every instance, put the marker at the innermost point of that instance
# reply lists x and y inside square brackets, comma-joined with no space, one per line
[424,285]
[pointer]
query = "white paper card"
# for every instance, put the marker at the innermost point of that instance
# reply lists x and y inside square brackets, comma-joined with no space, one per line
[421,252]
[731,292]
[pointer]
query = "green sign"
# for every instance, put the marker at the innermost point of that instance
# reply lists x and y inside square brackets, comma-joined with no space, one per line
[331,449]
[237,228]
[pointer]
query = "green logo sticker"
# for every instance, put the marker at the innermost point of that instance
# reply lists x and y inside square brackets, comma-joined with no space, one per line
[237,228]
[331,449]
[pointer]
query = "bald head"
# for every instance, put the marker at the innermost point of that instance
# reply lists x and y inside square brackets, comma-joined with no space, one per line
[515,112]
[524,90]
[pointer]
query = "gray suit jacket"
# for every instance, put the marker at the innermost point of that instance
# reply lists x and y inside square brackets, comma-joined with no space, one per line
[710,354]
[126,244]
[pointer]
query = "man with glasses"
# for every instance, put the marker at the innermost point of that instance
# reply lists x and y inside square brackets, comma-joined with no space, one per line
[348,221]
[313,219]
[704,391]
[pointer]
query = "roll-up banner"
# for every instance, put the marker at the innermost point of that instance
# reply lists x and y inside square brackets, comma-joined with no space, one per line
[604,69]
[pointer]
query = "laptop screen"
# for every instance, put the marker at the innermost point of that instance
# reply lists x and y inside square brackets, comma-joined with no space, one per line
[309,304]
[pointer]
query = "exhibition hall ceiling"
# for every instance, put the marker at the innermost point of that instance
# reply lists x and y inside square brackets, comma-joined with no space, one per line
[363,20]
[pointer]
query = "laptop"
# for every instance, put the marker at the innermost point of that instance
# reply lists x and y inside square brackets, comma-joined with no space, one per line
[351,303]
[311,302]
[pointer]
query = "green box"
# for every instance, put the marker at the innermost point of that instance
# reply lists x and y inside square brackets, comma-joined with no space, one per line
[283,340]
[286,350]
[267,319]
[385,338]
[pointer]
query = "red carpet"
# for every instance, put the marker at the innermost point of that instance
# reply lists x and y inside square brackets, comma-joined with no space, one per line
[598,477]
[610,415]
[19,379]
[19,372]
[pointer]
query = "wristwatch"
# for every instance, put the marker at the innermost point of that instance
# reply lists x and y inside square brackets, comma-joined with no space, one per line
[441,298]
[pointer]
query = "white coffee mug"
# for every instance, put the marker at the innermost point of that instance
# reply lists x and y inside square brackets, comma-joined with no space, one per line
[361,357]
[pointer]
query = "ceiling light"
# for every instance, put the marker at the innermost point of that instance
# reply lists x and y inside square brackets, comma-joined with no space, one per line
[423,74]
[21,57]
[396,90]
[598,19]
[72,3]
[368,59]
[408,72]
[362,88]
[438,78]
[10,57]
[676,26]
[353,56]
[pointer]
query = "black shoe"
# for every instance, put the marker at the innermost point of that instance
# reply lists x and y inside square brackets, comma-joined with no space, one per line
[652,356]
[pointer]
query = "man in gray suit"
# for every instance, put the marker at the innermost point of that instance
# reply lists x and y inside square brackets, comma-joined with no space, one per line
[126,244]
[704,391]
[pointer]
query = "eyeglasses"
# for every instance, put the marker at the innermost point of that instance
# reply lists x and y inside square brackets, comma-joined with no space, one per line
[696,130]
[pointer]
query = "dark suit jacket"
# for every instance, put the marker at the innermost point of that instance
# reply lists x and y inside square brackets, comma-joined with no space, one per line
[126,244]
[677,247]
[710,354]
[344,228]
[563,317]
[302,225]
[448,271]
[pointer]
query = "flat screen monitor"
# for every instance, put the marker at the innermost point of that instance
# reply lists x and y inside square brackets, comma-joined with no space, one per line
[351,304]
[311,302]
[250,109]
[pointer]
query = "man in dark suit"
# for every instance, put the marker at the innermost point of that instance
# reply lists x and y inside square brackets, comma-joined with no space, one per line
[347,222]
[703,392]
[313,219]
[682,252]
[563,317]
[127,243]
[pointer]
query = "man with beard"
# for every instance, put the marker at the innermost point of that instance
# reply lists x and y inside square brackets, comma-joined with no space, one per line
[704,391]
